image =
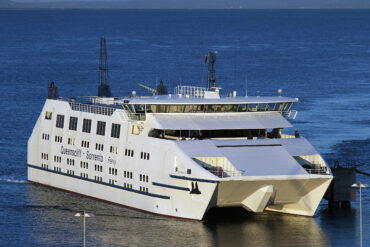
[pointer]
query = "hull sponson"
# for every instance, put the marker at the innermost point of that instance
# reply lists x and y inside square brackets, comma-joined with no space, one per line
[172,205]
[299,195]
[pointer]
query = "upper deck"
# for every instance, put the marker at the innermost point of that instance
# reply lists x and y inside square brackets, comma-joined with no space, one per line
[187,99]
[184,100]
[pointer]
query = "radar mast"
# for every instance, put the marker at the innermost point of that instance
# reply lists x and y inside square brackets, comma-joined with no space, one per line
[104,89]
[211,77]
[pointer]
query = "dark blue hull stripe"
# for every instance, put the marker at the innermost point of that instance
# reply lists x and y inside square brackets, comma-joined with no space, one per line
[101,183]
[194,179]
[171,186]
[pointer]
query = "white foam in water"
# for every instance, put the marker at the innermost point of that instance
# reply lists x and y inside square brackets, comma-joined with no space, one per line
[12,179]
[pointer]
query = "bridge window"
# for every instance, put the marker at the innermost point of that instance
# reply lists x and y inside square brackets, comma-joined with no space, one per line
[202,134]
[215,108]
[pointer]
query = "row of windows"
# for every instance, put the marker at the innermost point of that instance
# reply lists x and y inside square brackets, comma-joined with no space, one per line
[144,178]
[71,141]
[113,171]
[45,136]
[144,156]
[127,186]
[57,159]
[127,174]
[70,162]
[129,152]
[86,126]
[144,189]
[98,168]
[99,146]
[58,139]
[84,164]
[214,108]
[71,172]
[44,156]
[113,149]
[85,144]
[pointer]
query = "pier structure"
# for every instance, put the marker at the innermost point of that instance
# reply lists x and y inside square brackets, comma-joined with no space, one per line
[341,193]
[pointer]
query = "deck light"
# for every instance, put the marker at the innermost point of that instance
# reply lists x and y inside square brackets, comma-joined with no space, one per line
[280,91]
[360,185]
[84,214]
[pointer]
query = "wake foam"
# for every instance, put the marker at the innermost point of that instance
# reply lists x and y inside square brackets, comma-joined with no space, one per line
[12,180]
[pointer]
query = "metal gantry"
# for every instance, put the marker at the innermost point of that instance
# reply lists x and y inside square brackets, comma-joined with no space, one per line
[104,89]
[211,77]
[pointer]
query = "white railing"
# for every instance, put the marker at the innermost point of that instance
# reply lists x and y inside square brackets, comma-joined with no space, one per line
[137,116]
[225,173]
[320,171]
[292,114]
[96,109]
[196,92]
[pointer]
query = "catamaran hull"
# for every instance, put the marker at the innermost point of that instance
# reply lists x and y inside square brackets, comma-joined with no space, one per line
[299,195]
[172,201]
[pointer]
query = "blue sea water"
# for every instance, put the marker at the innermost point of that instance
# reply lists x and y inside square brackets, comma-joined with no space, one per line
[320,56]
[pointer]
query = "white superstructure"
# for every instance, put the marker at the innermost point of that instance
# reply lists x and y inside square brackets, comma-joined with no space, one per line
[178,155]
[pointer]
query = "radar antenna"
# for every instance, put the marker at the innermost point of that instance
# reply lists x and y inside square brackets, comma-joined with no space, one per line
[104,89]
[211,77]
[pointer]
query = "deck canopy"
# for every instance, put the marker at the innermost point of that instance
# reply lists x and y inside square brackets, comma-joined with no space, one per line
[263,160]
[265,120]
[261,157]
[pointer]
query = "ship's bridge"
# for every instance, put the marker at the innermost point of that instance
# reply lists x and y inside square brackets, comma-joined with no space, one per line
[190,117]
[179,104]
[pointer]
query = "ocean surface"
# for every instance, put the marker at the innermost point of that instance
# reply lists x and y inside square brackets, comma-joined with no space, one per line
[320,56]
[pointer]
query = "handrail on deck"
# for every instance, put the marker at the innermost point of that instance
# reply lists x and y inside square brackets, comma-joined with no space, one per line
[224,173]
[320,171]
[192,91]
[96,109]
[137,116]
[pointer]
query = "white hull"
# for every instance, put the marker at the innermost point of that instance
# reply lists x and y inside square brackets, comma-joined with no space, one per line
[174,205]
[175,184]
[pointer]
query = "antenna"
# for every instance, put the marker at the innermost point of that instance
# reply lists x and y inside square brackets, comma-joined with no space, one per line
[211,78]
[246,87]
[204,68]
[156,82]
[103,89]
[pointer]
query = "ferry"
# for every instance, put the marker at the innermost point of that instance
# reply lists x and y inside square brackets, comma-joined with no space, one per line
[178,154]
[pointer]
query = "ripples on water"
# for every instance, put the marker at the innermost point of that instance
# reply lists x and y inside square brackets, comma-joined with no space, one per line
[320,56]
[48,216]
